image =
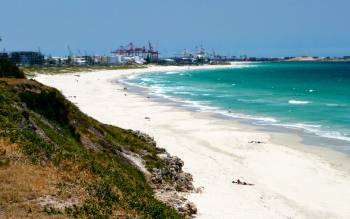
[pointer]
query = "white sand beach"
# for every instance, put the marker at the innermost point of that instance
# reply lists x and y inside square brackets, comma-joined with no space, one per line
[288,182]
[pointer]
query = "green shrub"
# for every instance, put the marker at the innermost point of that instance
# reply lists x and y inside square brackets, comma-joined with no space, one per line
[9,69]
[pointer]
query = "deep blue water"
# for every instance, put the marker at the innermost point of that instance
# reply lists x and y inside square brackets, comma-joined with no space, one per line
[311,96]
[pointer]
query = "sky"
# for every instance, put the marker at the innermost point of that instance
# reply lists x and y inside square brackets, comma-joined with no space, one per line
[268,28]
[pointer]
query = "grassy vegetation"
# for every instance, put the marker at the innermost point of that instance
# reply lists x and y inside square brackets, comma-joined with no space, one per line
[51,150]
[31,70]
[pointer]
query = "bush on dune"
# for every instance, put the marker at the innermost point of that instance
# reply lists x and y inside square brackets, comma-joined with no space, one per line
[9,69]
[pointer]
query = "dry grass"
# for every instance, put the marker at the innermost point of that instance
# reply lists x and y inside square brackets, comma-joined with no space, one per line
[27,188]
[16,81]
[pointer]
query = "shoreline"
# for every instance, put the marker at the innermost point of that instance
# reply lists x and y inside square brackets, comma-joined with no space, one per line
[304,139]
[289,182]
[297,138]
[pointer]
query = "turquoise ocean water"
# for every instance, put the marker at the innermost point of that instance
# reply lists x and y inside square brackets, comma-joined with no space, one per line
[313,97]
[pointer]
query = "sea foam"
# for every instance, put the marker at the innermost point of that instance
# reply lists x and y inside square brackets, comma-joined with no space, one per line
[315,129]
[172,72]
[298,102]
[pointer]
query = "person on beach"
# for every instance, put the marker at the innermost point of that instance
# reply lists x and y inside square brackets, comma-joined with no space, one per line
[239,182]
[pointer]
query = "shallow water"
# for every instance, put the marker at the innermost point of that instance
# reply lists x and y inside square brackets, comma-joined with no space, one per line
[313,97]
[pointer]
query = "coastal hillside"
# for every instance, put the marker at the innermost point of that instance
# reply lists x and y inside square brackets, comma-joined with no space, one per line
[57,162]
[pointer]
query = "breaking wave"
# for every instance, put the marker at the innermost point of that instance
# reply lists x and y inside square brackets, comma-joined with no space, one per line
[298,102]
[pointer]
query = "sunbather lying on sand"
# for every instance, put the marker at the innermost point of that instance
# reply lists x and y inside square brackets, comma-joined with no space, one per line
[239,182]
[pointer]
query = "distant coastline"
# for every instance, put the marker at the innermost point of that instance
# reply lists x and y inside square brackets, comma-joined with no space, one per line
[318,59]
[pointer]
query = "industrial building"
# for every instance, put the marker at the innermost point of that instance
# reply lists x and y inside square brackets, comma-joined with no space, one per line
[26,57]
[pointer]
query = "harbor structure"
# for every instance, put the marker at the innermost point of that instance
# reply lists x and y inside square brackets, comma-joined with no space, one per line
[130,50]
